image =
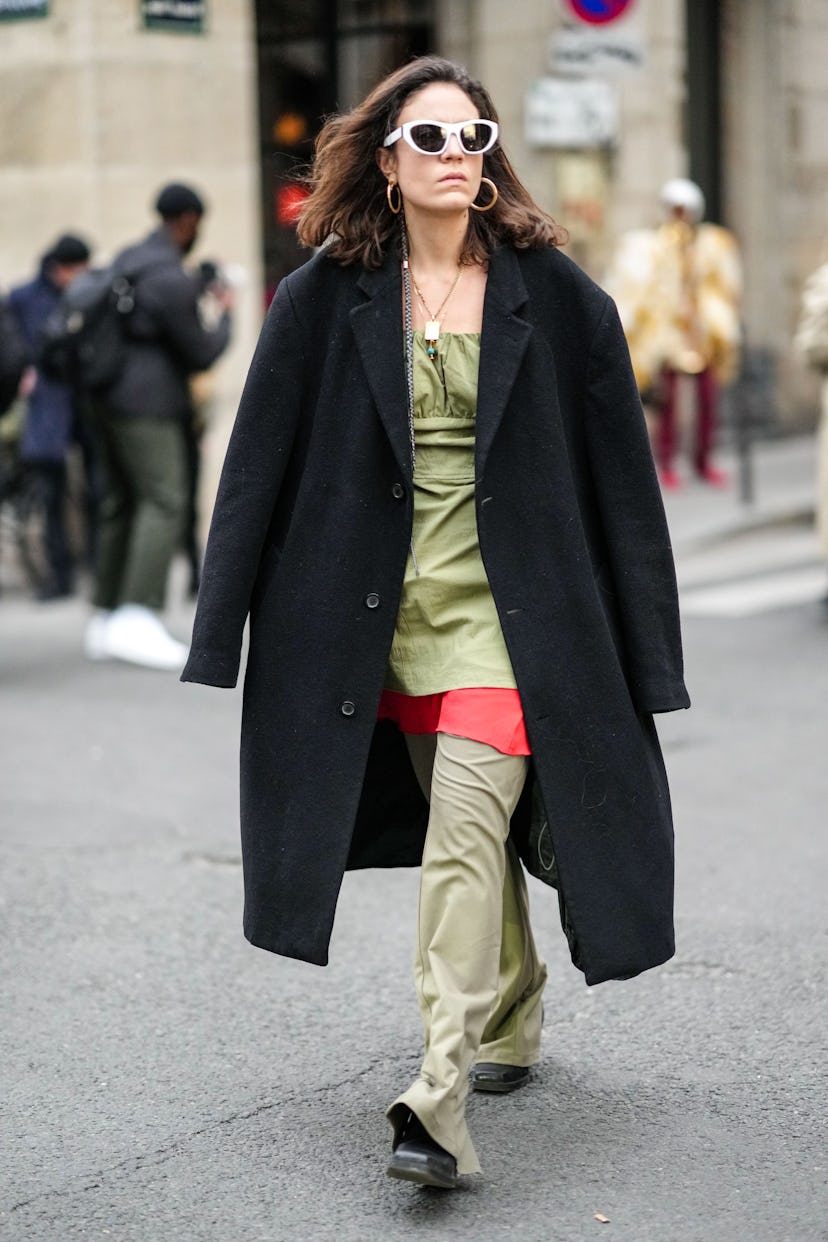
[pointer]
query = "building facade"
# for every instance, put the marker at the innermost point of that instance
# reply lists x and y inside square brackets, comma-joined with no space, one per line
[101,101]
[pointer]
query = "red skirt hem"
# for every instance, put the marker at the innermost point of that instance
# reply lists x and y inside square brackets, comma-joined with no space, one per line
[492,715]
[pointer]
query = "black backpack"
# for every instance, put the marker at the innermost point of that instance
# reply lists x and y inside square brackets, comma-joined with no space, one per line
[84,340]
[13,357]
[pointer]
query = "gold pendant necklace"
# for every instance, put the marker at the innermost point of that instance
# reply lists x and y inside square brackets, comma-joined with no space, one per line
[432,327]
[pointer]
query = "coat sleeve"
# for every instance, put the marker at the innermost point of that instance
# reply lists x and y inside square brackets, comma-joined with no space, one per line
[634,524]
[254,467]
[171,300]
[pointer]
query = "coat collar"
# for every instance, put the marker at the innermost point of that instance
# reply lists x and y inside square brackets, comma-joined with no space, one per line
[377,327]
[502,347]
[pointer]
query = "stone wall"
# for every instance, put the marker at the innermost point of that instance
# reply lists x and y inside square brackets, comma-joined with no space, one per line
[96,113]
[775,146]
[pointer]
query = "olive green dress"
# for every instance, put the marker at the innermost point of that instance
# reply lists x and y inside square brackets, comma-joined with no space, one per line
[448,634]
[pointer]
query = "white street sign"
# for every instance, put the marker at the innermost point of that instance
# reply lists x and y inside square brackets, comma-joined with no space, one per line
[595,49]
[571,112]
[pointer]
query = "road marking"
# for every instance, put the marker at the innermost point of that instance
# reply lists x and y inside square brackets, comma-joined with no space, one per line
[743,599]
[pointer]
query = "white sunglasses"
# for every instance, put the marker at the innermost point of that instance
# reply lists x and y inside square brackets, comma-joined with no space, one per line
[432,137]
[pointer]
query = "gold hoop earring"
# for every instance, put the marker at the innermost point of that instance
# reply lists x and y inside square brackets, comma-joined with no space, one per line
[389,194]
[488,181]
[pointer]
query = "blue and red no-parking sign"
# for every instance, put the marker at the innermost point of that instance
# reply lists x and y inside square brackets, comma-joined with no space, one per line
[596,12]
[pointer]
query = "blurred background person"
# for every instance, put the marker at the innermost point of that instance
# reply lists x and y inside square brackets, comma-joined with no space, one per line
[141,423]
[678,289]
[211,280]
[811,342]
[51,417]
[12,355]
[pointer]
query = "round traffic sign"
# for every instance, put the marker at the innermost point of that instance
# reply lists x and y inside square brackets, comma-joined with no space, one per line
[596,12]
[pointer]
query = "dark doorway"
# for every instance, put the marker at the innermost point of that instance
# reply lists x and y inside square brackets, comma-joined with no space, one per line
[704,100]
[316,57]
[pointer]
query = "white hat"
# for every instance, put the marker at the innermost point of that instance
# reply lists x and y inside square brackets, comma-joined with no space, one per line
[679,192]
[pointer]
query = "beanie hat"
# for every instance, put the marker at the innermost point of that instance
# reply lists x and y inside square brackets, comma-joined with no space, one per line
[68,249]
[175,199]
[679,192]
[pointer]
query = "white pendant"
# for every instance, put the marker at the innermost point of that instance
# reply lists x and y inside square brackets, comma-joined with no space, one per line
[432,330]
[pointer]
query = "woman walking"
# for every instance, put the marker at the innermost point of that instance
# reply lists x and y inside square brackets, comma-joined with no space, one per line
[440,511]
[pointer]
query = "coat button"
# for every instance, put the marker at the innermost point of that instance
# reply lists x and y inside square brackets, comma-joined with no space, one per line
[398,491]
[372,600]
[347,708]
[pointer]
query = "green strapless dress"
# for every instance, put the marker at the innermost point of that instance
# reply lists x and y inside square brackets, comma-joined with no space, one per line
[448,633]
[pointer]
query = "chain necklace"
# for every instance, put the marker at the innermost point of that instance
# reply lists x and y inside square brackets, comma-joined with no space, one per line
[432,328]
[409,364]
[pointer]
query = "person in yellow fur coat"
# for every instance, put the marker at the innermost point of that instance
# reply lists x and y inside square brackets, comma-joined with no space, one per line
[811,343]
[678,289]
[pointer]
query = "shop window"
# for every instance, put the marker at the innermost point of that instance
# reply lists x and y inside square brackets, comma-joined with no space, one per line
[316,57]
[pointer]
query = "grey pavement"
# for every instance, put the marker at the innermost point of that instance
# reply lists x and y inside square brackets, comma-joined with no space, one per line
[782,477]
[163,1080]
[727,548]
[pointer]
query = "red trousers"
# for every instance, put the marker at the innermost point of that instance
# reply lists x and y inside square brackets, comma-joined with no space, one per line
[667,432]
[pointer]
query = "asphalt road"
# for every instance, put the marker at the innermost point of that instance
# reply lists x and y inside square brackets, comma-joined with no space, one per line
[163,1080]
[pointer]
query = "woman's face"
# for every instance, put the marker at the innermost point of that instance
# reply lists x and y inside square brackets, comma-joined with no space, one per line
[444,183]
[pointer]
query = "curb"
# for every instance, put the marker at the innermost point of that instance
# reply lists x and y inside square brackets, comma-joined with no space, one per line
[794,514]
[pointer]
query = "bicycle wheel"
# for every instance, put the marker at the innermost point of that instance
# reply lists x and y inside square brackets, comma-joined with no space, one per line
[28,512]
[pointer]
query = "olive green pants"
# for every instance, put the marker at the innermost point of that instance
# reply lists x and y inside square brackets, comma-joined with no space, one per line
[142,513]
[478,975]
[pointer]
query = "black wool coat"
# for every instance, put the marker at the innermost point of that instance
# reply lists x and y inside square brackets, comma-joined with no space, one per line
[310,536]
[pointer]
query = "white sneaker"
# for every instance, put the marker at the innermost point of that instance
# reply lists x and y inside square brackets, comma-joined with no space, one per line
[135,634]
[94,636]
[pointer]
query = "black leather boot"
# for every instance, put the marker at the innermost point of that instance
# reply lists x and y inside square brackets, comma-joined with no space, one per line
[499,1079]
[417,1158]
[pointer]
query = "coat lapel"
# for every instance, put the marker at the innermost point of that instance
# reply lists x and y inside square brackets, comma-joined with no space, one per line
[377,328]
[502,347]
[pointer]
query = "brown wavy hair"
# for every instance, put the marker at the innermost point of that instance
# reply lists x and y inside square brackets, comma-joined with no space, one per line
[347,207]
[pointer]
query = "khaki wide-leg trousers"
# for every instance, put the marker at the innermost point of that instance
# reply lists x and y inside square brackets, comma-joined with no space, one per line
[478,976]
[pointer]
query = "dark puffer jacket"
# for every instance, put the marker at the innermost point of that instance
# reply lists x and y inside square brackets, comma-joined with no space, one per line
[168,341]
